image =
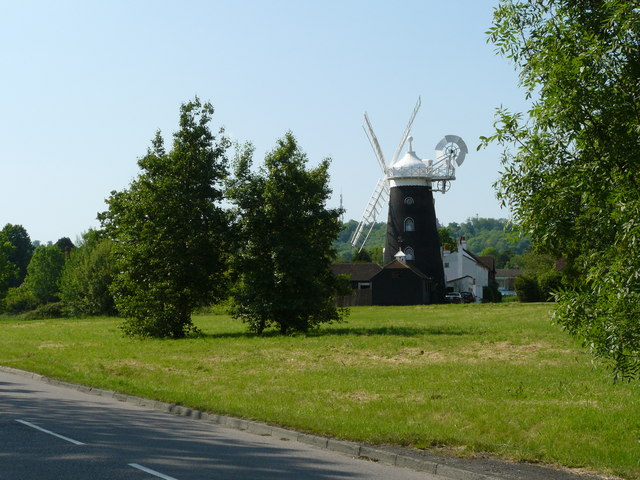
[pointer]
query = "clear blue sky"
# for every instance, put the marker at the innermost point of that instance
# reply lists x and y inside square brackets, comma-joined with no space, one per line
[85,85]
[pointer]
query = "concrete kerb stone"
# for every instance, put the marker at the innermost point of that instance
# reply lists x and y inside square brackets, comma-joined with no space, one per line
[416,464]
[341,446]
[284,434]
[459,474]
[314,440]
[378,455]
[235,423]
[258,428]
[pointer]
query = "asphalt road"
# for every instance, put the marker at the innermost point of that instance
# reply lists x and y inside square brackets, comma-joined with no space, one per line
[48,432]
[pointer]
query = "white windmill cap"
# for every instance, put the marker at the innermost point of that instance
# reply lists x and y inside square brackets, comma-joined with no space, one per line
[410,165]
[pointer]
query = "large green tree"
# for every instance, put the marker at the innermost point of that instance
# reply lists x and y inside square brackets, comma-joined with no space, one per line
[571,165]
[7,267]
[169,230]
[21,253]
[284,239]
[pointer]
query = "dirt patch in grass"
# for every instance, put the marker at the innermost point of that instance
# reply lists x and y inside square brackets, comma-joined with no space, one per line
[51,345]
[357,396]
[504,352]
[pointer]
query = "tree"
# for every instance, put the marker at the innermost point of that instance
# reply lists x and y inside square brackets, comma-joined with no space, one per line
[375,241]
[446,240]
[43,273]
[22,251]
[376,253]
[65,245]
[527,288]
[87,277]
[169,231]
[284,241]
[7,267]
[571,168]
[363,256]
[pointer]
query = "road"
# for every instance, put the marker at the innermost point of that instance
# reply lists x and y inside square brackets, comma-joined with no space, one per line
[49,432]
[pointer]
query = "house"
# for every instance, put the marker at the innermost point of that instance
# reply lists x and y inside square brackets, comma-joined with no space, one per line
[466,272]
[360,275]
[397,283]
[400,284]
[506,278]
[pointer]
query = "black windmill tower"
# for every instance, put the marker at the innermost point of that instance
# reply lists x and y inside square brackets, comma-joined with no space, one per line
[408,185]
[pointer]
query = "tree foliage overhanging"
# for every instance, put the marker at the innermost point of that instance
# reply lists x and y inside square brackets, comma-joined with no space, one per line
[571,166]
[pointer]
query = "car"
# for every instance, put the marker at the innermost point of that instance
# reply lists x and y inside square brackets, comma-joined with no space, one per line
[468,297]
[453,297]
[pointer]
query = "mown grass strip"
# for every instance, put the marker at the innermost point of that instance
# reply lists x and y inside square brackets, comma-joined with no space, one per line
[459,378]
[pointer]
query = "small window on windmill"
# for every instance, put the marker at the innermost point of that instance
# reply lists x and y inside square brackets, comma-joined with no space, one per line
[409,253]
[408,200]
[409,225]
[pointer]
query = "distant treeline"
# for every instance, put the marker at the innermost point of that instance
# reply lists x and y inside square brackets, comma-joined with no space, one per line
[487,236]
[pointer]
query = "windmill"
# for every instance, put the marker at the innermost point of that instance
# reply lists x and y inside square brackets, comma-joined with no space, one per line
[407,186]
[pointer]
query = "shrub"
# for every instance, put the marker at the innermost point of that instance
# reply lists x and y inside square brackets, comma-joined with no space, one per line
[549,283]
[86,278]
[491,294]
[527,288]
[20,299]
[48,310]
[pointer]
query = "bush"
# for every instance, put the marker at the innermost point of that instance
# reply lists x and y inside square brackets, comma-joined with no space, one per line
[549,283]
[48,310]
[20,299]
[491,294]
[527,288]
[86,278]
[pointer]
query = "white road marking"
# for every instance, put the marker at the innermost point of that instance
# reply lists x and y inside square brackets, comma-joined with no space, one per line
[152,472]
[75,442]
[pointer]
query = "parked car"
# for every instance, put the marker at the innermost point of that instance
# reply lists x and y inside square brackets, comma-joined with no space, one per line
[453,297]
[468,297]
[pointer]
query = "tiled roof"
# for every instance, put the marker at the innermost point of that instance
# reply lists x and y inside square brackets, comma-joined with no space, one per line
[398,265]
[359,272]
[508,272]
[488,261]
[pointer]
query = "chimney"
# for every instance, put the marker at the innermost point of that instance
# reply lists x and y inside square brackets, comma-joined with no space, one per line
[462,245]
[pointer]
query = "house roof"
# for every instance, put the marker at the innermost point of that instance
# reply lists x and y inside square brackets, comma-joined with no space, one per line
[398,265]
[488,261]
[358,272]
[508,272]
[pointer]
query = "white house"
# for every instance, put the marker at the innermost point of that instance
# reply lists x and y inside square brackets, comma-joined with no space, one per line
[466,272]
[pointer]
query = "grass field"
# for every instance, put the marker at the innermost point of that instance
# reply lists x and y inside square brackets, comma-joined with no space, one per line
[462,379]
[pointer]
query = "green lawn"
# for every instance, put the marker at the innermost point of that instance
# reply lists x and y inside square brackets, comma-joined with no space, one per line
[460,378]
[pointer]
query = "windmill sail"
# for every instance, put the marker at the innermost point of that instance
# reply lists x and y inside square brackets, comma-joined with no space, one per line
[376,203]
[407,131]
[373,140]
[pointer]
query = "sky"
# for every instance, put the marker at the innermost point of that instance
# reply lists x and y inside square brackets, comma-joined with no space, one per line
[84,86]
